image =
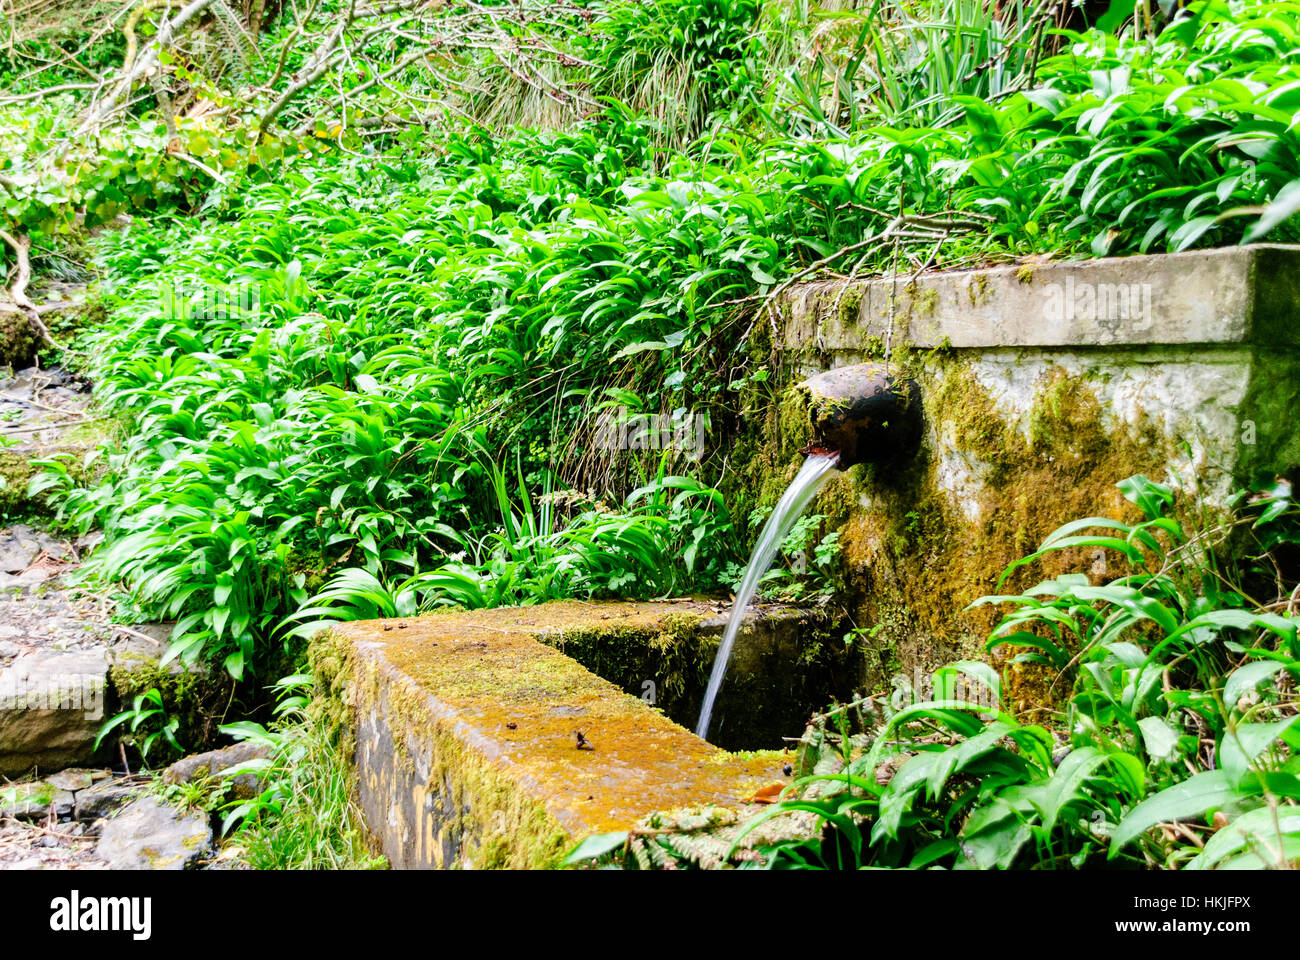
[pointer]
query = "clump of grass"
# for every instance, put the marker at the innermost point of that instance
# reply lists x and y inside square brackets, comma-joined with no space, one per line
[304,817]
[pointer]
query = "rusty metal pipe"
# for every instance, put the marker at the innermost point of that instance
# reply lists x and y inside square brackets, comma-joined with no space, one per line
[865,413]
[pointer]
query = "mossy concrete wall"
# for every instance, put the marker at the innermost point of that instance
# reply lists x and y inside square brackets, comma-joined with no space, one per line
[1043,385]
[463,730]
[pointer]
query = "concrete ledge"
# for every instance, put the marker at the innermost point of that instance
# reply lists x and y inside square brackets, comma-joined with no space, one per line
[1233,295]
[465,736]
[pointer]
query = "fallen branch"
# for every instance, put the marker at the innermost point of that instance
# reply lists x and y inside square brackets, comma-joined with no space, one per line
[21,246]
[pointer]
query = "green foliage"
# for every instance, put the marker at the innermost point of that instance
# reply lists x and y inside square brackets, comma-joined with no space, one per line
[303,817]
[344,415]
[678,62]
[917,63]
[147,711]
[388,369]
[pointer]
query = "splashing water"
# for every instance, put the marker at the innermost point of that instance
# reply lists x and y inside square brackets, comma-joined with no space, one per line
[792,505]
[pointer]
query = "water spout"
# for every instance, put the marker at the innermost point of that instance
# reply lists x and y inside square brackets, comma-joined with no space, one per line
[866,413]
[860,414]
[791,506]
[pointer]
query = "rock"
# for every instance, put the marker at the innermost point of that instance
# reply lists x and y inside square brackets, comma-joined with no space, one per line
[149,835]
[144,647]
[72,780]
[105,798]
[35,800]
[135,666]
[230,857]
[19,546]
[9,649]
[51,707]
[24,582]
[212,763]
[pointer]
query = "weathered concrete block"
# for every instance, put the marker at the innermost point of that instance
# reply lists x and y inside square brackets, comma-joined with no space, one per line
[1202,344]
[1232,295]
[465,731]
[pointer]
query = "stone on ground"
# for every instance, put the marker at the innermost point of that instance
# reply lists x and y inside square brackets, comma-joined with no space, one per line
[151,835]
[214,763]
[51,708]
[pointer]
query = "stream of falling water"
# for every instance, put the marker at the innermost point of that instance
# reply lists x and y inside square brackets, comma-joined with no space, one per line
[792,505]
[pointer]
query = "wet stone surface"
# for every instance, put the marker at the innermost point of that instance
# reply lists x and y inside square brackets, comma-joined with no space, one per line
[38,406]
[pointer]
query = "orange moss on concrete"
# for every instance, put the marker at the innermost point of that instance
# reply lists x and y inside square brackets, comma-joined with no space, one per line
[482,720]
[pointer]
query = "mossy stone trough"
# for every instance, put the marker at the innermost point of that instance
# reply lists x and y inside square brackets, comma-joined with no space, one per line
[464,727]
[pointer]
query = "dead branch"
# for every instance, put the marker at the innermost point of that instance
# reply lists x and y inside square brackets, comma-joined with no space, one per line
[320,61]
[21,246]
[141,65]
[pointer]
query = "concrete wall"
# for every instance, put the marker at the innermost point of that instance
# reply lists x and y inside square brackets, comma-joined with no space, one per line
[1043,385]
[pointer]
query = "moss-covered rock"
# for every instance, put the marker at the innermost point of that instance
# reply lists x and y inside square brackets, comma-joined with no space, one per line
[18,341]
[194,695]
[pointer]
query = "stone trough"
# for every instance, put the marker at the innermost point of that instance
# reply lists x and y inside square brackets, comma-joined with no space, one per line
[464,726]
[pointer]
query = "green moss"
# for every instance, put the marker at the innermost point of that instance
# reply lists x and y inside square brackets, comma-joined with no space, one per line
[195,699]
[21,464]
[18,343]
[923,302]
[913,560]
[921,561]
[65,324]
[850,305]
[330,661]
[311,565]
